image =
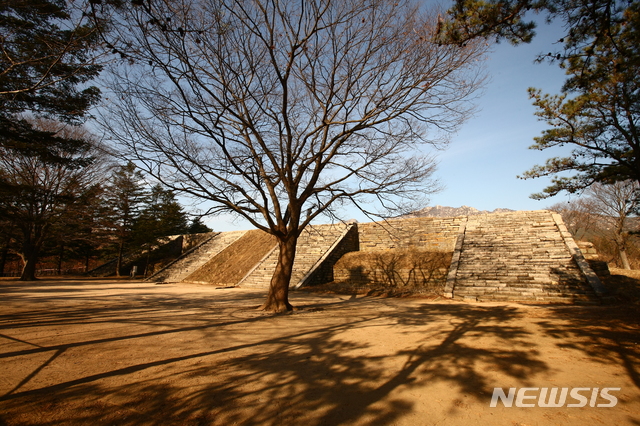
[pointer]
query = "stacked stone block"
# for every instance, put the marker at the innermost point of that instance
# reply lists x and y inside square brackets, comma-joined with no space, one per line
[414,270]
[324,272]
[424,233]
[314,244]
[191,261]
[518,256]
[401,253]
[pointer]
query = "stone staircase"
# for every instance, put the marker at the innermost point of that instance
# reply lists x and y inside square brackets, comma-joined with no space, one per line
[192,260]
[314,244]
[519,256]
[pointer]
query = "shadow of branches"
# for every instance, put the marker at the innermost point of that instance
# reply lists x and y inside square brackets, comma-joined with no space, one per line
[159,358]
[609,334]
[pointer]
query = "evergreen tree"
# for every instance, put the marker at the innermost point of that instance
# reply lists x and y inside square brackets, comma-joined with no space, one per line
[38,193]
[161,216]
[124,198]
[597,114]
[80,233]
[46,58]
[197,227]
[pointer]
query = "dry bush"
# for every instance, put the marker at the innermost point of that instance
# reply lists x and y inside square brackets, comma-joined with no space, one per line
[392,271]
[608,251]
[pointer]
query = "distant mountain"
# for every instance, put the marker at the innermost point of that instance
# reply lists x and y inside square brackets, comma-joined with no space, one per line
[443,211]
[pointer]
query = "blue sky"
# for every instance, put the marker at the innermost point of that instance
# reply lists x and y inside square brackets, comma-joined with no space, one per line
[481,165]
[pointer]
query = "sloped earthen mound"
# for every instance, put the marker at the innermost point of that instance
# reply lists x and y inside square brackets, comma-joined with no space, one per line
[229,266]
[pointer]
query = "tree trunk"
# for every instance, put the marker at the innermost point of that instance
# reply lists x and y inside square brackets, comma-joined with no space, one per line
[30,257]
[60,256]
[31,245]
[3,259]
[623,258]
[278,297]
[119,261]
[622,249]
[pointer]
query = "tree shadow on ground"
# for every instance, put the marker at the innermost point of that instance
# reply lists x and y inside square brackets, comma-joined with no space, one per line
[327,364]
[53,305]
[605,334]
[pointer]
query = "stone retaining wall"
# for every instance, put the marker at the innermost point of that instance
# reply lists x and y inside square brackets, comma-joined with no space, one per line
[394,268]
[424,233]
[325,271]
[519,256]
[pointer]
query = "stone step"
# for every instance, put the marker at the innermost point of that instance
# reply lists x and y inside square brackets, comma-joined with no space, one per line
[520,291]
[571,299]
[312,245]
[192,261]
[516,256]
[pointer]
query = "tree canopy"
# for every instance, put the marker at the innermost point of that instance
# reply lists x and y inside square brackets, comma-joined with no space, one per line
[161,215]
[47,57]
[615,204]
[598,112]
[38,192]
[281,111]
[604,216]
[125,194]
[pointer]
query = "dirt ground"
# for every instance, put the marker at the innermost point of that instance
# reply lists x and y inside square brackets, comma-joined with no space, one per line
[133,353]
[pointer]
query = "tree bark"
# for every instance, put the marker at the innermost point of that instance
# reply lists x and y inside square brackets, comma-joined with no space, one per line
[31,245]
[624,259]
[60,256]
[621,243]
[278,296]
[3,259]
[622,251]
[119,261]
[30,257]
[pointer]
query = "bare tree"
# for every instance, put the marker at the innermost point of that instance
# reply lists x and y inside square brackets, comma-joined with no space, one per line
[614,204]
[578,215]
[281,110]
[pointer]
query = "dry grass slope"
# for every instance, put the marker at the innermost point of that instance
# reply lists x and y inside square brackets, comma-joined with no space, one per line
[235,261]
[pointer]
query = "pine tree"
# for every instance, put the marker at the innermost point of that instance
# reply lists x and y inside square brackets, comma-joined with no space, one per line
[124,197]
[598,115]
[160,216]
[47,58]
[598,112]
[197,226]
[47,54]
